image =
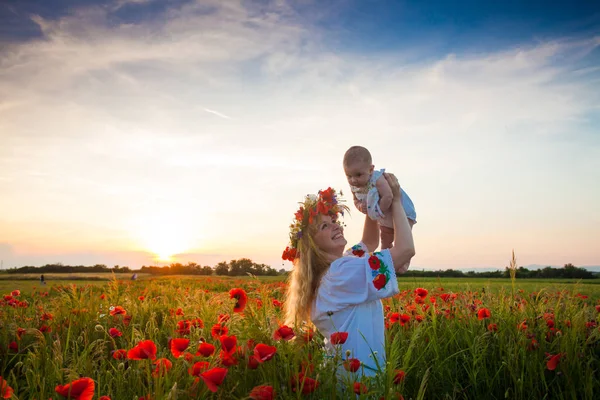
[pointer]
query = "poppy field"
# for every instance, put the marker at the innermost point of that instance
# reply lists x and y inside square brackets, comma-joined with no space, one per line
[224,338]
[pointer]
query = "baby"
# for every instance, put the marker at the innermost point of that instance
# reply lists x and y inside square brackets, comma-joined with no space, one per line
[372,194]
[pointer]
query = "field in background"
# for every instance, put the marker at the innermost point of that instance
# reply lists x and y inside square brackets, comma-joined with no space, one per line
[451,338]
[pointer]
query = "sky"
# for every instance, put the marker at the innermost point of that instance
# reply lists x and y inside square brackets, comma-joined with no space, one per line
[144,132]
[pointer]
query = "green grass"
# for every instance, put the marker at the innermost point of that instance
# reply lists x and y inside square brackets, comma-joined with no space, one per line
[445,350]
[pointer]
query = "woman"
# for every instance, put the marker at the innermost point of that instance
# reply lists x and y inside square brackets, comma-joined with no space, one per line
[342,292]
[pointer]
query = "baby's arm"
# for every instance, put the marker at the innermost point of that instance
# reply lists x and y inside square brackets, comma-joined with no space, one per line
[385,194]
[360,206]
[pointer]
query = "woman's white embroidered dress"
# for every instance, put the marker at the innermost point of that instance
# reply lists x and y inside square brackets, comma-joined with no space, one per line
[349,300]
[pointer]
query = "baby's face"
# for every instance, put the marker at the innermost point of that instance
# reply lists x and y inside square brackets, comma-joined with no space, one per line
[358,173]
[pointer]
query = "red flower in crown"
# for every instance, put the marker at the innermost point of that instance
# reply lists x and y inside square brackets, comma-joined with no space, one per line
[325,203]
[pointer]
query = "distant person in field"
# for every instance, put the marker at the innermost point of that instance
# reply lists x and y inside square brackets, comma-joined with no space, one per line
[341,291]
[42,281]
[372,193]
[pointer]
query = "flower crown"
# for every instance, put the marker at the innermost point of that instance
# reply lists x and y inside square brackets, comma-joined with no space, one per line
[325,203]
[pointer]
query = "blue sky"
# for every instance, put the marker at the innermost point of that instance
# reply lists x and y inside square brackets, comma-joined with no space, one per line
[133,128]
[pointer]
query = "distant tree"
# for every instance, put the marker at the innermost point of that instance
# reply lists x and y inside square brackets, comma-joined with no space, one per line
[222,268]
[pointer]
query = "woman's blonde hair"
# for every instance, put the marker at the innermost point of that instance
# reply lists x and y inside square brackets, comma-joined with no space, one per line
[309,266]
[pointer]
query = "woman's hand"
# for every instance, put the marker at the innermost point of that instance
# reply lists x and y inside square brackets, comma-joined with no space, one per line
[394,185]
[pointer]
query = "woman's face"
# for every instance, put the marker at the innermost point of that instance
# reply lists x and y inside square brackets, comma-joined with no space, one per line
[329,237]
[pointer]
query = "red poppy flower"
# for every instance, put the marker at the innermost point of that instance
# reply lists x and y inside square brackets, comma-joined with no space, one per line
[45,328]
[104,398]
[197,368]
[5,390]
[308,335]
[228,343]
[127,319]
[284,332]
[189,357]
[16,292]
[214,378]
[421,292]
[197,323]
[379,281]
[228,359]
[299,214]
[352,364]
[241,299]
[276,303]
[598,308]
[183,327]
[178,346]
[339,337]
[47,316]
[404,319]
[550,323]
[289,254]
[102,296]
[253,363]
[483,313]
[360,388]
[205,349]
[218,330]
[118,310]
[163,365]
[80,389]
[399,376]
[552,363]
[119,354]
[493,327]
[307,384]
[144,350]
[13,346]
[114,332]
[263,392]
[374,262]
[264,352]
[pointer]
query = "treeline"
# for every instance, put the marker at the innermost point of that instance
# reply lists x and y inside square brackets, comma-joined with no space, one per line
[69,269]
[569,271]
[243,266]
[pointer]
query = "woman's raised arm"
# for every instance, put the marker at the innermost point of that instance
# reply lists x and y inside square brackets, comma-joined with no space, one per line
[370,234]
[404,247]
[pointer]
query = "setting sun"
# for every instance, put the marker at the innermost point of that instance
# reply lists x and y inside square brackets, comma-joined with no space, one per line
[165,236]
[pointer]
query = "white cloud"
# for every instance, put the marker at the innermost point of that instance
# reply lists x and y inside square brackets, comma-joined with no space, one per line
[232,114]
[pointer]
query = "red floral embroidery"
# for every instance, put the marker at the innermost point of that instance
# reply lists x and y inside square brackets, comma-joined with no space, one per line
[379,281]
[374,262]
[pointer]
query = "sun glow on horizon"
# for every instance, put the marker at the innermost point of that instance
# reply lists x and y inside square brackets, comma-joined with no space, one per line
[165,236]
